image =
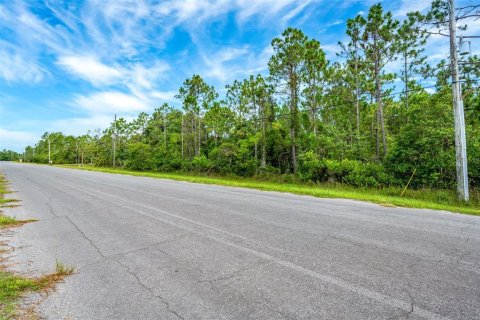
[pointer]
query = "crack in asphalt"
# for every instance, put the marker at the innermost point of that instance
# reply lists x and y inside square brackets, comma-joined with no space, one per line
[150,289]
[363,291]
[87,238]
[174,239]
[464,255]
[120,255]
[234,273]
[284,316]
[50,207]
[413,302]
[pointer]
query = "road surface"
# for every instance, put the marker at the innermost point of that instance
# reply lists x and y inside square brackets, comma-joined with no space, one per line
[158,249]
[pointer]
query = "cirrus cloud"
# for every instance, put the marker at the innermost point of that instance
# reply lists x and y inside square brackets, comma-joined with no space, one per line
[109,102]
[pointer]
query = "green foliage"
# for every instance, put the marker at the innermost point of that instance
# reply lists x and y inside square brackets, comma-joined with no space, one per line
[425,143]
[9,155]
[336,118]
[202,164]
[139,157]
[350,172]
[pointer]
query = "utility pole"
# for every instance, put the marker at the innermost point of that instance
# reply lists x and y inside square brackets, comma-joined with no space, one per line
[114,138]
[460,137]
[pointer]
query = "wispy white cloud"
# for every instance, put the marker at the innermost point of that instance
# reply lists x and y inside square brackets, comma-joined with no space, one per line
[80,126]
[295,11]
[409,6]
[167,96]
[16,140]
[109,102]
[193,12]
[15,136]
[16,68]
[269,8]
[219,65]
[145,76]
[90,69]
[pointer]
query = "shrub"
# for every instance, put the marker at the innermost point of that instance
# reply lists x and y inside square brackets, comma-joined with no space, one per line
[201,164]
[247,168]
[311,168]
[352,172]
[139,157]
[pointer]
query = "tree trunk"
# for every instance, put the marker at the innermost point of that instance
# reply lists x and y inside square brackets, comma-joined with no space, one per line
[382,124]
[182,136]
[199,136]
[165,131]
[314,123]
[357,106]
[292,129]
[405,78]
[263,163]
[377,136]
[194,129]
[378,98]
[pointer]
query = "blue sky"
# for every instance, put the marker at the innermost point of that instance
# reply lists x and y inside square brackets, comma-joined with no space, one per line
[71,65]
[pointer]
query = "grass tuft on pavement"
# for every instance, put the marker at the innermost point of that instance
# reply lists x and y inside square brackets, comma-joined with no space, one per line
[6,221]
[63,269]
[424,199]
[11,289]
[14,287]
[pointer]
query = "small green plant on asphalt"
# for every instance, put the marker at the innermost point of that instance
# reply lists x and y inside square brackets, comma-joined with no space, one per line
[62,269]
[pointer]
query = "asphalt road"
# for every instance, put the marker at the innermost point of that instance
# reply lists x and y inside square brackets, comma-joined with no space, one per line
[157,249]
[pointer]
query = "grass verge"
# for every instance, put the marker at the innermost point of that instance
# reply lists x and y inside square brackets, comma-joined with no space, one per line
[425,199]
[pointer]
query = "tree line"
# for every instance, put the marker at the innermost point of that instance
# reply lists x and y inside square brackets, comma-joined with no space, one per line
[366,119]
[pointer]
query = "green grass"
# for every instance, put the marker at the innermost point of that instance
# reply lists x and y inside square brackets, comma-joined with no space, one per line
[12,287]
[426,199]
[6,221]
